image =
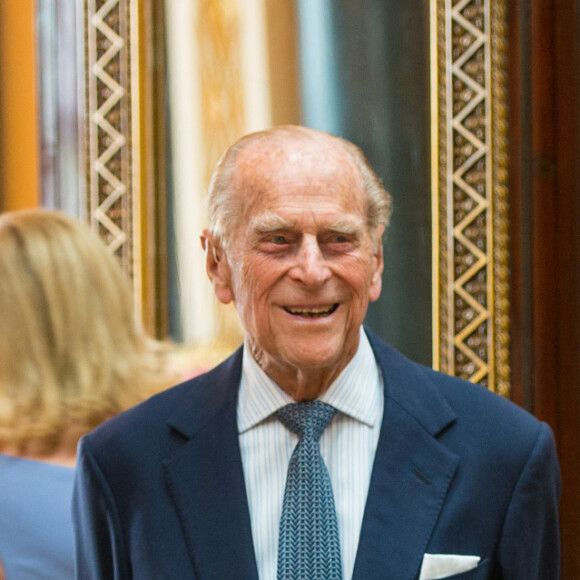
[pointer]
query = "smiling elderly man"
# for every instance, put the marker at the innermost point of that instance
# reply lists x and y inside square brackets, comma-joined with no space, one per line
[316,451]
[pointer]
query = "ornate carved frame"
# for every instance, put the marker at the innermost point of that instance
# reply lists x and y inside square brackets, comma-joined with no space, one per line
[112,129]
[469,169]
[469,190]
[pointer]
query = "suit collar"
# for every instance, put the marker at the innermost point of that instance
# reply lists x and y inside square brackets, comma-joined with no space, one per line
[206,396]
[411,473]
[411,386]
[406,383]
[205,477]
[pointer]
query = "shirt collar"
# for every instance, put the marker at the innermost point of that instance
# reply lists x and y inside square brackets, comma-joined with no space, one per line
[357,391]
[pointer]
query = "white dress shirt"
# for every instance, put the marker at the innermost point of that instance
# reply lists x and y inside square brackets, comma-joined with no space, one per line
[348,447]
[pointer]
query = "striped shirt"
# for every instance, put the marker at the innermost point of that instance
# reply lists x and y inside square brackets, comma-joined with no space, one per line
[348,447]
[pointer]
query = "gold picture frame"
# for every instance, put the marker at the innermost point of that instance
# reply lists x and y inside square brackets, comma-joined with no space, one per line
[469,191]
[469,157]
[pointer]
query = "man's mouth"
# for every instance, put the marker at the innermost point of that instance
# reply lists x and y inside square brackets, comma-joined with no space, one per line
[311,312]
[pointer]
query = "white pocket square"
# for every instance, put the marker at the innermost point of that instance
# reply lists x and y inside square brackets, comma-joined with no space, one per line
[443,565]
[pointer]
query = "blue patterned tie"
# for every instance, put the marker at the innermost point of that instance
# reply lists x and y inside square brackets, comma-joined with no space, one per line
[309,547]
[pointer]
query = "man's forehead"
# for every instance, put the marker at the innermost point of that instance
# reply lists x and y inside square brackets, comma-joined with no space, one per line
[264,174]
[297,174]
[293,150]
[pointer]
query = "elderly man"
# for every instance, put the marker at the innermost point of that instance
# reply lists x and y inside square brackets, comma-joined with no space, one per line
[316,451]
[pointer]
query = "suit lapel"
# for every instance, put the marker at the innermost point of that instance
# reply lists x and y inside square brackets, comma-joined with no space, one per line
[411,473]
[206,481]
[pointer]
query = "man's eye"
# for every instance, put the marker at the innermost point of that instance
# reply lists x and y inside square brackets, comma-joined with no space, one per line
[339,239]
[278,239]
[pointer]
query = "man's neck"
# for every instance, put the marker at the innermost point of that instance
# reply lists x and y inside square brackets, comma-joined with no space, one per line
[305,385]
[301,383]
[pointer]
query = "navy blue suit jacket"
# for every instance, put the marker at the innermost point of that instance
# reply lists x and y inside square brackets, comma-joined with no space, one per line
[459,470]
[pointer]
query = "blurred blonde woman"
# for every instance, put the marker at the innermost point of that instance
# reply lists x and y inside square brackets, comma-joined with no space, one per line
[72,354]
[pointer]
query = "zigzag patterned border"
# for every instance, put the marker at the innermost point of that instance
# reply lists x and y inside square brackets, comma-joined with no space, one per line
[112,122]
[470,330]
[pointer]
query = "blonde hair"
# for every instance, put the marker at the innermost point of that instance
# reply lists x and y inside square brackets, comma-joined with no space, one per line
[223,205]
[72,352]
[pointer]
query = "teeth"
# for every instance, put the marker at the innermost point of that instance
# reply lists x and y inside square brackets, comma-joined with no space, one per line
[311,311]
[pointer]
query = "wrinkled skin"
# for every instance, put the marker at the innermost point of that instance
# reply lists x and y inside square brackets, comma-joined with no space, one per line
[301,265]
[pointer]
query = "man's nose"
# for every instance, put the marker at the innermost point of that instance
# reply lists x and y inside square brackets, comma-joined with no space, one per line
[311,267]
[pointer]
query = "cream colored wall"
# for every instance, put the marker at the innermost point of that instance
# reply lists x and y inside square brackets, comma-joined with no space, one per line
[219,74]
[19,154]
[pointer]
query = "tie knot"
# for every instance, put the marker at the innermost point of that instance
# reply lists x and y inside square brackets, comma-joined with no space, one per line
[306,419]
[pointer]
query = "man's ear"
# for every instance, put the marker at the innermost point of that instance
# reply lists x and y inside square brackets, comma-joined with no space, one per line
[378,265]
[217,267]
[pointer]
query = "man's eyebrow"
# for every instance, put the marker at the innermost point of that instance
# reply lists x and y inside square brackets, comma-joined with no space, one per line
[269,222]
[347,226]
